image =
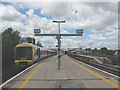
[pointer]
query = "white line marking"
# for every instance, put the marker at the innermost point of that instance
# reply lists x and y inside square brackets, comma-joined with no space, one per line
[99,70]
[16,76]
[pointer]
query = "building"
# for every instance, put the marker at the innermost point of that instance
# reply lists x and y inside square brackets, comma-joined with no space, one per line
[27,40]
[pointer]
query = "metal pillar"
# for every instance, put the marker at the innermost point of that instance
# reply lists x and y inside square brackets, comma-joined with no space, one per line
[59,45]
[58,54]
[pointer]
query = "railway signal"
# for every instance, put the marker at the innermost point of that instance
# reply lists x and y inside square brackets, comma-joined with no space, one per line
[79,32]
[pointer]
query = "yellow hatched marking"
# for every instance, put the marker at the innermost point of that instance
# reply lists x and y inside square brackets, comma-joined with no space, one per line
[95,74]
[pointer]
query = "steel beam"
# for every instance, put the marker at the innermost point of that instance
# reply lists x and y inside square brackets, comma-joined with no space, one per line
[58,34]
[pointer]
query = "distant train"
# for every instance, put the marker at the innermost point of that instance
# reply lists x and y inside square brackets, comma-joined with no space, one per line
[27,54]
[74,53]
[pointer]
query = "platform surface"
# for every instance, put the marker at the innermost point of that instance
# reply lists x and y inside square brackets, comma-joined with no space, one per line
[46,75]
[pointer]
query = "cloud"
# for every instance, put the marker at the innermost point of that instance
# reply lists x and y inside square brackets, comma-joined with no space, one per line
[98,18]
[94,16]
[10,17]
[56,10]
[95,37]
[9,13]
[113,34]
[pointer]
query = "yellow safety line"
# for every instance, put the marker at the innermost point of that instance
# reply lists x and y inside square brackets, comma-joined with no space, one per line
[23,85]
[95,74]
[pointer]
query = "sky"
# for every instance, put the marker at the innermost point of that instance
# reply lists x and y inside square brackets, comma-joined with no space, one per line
[98,19]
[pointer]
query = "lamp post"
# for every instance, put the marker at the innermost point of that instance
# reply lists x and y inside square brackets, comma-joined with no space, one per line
[79,32]
[58,37]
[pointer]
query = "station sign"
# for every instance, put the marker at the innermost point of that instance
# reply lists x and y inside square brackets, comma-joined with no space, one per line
[79,31]
[37,31]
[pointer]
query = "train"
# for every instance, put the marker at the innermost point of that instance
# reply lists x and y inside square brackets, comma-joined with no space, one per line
[26,54]
[74,53]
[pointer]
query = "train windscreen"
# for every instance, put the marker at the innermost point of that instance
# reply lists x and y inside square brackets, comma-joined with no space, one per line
[23,52]
[74,52]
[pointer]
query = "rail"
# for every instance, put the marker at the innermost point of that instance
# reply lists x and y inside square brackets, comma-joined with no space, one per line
[14,70]
[105,67]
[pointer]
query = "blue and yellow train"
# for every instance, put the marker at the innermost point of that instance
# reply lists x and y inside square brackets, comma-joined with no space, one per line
[27,54]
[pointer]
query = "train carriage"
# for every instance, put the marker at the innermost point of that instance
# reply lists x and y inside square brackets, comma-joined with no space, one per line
[27,54]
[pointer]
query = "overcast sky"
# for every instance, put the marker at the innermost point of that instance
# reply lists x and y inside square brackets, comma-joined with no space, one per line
[98,19]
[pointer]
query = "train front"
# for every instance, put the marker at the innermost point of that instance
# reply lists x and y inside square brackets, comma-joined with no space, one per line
[74,53]
[23,55]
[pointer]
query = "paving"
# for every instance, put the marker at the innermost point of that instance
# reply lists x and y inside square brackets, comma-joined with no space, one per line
[69,76]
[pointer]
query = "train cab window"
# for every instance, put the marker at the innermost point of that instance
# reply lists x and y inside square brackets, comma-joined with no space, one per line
[24,52]
[74,52]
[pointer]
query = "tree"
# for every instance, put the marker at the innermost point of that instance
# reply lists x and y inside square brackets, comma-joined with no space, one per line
[95,49]
[10,39]
[94,52]
[29,40]
[104,51]
[39,44]
[86,49]
[34,41]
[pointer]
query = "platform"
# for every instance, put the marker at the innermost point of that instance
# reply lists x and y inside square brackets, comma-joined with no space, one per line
[73,74]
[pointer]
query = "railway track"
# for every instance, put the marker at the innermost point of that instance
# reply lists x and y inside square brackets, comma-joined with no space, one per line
[13,70]
[105,67]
